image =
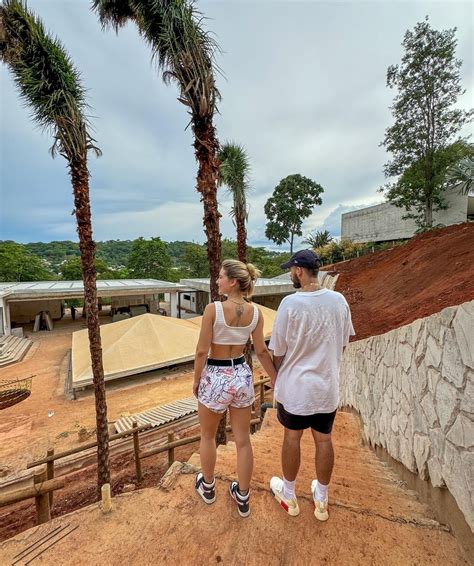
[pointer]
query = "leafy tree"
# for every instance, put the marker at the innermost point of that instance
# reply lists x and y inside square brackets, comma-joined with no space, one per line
[292,201]
[71,270]
[19,264]
[195,260]
[234,173]
[408,192]
[149,259]
[426,120]
[318,239]
[50,86]
[461,175]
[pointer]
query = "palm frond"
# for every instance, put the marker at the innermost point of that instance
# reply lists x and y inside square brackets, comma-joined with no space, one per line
[46,78]
[234,172]
[462,175]
[181,48]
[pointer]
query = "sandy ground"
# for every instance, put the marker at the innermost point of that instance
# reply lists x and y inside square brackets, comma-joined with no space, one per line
[27,430]
[373,519]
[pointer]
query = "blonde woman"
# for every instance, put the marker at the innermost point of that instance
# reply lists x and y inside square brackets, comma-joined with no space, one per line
[222,378]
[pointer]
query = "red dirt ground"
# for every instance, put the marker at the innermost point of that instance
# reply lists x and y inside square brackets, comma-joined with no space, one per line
[391,288]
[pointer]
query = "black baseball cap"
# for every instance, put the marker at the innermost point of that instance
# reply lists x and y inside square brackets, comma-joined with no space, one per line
[303,258]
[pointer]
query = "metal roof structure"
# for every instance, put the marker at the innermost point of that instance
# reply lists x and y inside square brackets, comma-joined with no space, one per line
[262,286]
[33,290]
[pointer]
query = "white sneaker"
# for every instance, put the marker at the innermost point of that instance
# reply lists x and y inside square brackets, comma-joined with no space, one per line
[289,505]
[320,507]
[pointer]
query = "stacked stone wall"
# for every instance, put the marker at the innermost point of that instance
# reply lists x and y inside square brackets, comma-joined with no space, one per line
[414,389]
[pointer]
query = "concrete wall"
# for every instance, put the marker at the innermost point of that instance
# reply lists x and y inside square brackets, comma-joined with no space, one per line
[23,312]
[384,221]
[414,389]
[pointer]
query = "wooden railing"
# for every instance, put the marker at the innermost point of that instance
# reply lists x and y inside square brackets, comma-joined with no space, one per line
[44,482]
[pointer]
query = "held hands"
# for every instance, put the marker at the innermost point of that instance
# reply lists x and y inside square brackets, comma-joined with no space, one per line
[195,388]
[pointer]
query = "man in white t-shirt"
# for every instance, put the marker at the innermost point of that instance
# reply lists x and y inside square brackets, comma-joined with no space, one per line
[311,330]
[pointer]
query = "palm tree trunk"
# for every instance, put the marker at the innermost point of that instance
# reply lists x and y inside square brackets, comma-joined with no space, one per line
[80,183]
[206,147]
[241,237]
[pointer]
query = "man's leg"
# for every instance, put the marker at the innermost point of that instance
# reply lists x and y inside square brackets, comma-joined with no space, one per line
[290,454]
[324,460]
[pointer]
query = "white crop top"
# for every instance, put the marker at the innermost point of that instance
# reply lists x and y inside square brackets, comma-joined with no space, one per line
[231,335]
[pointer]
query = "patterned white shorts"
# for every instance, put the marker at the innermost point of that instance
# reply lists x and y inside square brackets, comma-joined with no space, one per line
[226,386]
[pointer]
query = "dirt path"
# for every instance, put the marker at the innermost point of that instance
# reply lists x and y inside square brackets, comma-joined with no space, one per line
[373,519]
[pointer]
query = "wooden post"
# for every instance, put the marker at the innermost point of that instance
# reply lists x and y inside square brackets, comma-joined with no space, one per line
[136,449]
[170,450]
[50,472]
[262,397]
[43,513]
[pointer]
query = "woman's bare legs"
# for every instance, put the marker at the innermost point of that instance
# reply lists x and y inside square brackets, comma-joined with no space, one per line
[208,421]
[240,421]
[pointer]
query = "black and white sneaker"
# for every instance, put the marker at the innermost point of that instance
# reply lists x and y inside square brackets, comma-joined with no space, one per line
[206,490]
[242,501]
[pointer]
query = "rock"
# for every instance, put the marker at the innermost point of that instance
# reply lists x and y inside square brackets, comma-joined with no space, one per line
[421,451]
[128,487]
[4,470]
[464,328]
[455,478]
[433,353]
[435,472]
[452,368]
[462,432]
[467,460]
[429,410]
[467,403]
[419,420]
[447,404]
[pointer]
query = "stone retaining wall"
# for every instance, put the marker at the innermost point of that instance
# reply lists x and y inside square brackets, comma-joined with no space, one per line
[414,389]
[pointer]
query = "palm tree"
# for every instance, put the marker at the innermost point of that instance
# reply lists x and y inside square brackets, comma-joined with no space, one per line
[462,175]
[185,54]
[50,85]
[319,239]
[234,173]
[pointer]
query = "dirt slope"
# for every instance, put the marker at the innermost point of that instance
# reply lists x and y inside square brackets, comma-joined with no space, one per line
[389,289]
[374,519]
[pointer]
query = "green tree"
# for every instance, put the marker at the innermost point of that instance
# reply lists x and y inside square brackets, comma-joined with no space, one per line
[71,270]
[149,259]
[185,53]
[291,202]
[408,192]
[320,238]
[461,175]
[50,86]
[426,119]
[18,264]
[195,260]
[234,173]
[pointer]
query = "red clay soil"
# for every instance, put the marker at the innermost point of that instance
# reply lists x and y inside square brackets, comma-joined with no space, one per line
[392,288]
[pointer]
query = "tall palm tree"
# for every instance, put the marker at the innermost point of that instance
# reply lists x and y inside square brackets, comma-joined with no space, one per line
[50,85]
[185,54]
[234,173]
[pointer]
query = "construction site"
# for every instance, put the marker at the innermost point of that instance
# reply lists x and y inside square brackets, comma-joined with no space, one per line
[385,516]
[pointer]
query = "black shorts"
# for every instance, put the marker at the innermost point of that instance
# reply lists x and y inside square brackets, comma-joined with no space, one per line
[320,422]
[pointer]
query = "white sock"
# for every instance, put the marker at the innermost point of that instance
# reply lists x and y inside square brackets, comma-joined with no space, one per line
[289,489]
[321,491]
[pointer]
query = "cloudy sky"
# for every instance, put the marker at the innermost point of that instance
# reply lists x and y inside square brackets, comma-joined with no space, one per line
[304,91]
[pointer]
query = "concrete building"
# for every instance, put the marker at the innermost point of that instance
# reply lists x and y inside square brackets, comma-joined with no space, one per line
[384,222]
[21,302]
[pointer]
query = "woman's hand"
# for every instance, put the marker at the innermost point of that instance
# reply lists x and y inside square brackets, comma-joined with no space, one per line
[195,388]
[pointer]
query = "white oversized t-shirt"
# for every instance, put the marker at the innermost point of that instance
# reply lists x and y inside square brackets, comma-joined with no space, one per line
[310,330]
